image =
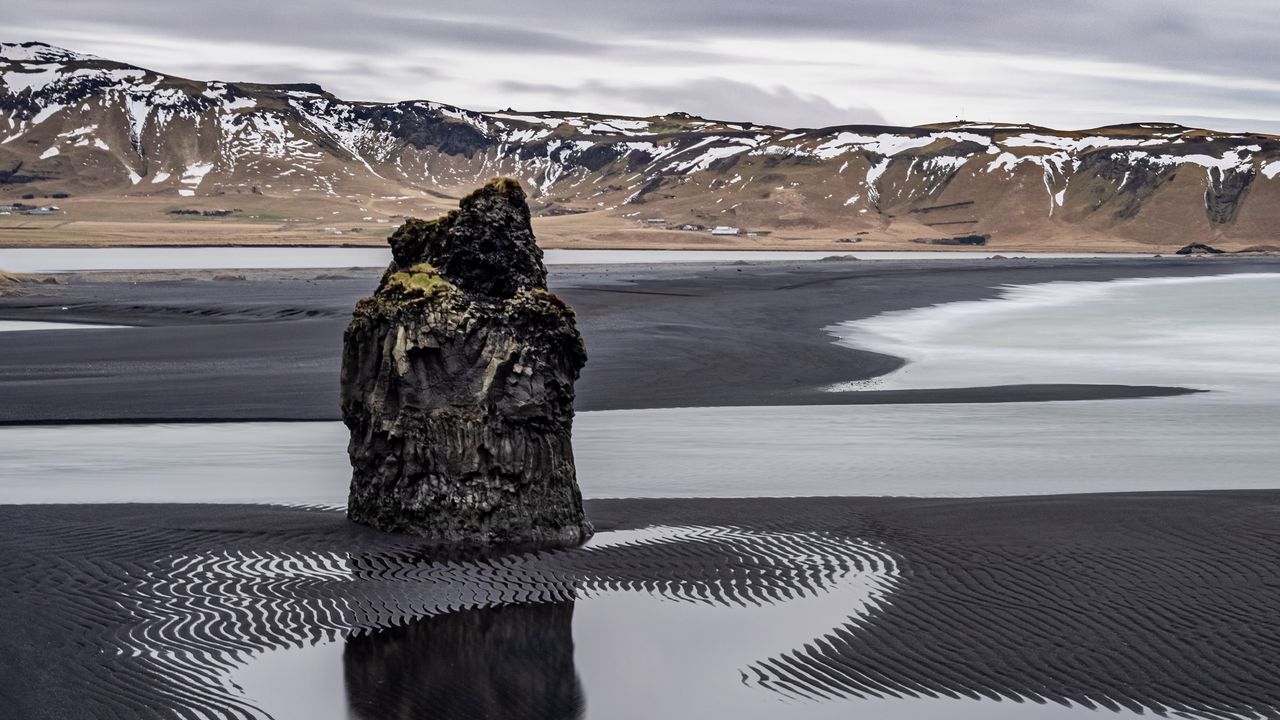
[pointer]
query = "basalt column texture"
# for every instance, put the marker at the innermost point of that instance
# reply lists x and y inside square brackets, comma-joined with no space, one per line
[457,385]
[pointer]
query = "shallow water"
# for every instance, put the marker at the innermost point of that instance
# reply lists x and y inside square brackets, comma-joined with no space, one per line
[1196,442]
[623,670]
[27,326]
[169,258]
[1215,332]
[677,655]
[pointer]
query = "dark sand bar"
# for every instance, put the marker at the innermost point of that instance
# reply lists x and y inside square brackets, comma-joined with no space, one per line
[265,345]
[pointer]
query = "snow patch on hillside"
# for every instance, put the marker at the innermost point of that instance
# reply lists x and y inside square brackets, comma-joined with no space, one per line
[885,144]
[320,142]
[32,79]
[40,52]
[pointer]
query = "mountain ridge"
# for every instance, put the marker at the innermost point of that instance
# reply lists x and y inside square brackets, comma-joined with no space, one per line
[96,130]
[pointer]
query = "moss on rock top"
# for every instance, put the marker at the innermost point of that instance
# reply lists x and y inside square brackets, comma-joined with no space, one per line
[486,246]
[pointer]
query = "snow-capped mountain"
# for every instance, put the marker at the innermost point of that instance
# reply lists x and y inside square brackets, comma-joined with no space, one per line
[84,125]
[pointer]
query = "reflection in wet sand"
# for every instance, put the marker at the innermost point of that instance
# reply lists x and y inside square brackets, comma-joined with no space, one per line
[684,608]
[749,637]
[512,661]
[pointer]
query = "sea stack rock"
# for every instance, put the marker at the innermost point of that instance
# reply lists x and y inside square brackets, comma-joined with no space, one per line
[457,385]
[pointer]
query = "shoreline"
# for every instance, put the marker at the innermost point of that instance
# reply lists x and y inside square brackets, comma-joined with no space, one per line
[996,394]
[658,336]
[835,248]
[63,261]
[11,238]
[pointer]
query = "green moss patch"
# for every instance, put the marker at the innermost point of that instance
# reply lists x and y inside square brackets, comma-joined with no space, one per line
[420,279]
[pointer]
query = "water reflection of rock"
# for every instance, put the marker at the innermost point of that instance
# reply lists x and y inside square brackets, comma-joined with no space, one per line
[510,661]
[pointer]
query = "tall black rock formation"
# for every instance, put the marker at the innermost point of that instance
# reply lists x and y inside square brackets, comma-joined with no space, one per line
[457,385]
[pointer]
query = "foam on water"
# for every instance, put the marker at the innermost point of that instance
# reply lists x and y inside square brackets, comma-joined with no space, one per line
[1216,332]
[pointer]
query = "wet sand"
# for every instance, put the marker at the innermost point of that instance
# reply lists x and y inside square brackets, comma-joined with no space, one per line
[267,347]
[1158,602]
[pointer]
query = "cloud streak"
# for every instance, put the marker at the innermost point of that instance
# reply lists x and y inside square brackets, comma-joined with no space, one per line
[1070,63]
[714,98]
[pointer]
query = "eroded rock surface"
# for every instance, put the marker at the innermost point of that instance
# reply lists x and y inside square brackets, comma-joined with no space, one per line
[457,385]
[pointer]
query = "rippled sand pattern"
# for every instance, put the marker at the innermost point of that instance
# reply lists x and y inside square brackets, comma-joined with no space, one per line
[1141,614]
[1161,603]
[194,617]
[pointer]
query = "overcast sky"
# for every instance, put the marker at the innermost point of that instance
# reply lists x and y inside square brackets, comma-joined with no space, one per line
[1060,63]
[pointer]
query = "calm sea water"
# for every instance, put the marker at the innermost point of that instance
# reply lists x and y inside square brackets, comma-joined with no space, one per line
[168,258]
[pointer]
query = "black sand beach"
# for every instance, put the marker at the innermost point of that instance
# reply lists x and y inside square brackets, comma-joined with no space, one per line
[1147,602]
[267,347]
[1156,602]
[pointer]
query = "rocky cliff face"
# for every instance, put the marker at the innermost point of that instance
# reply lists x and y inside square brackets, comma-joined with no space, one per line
[457,385]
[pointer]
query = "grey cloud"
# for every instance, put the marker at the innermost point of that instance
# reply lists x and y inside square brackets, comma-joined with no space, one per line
[717,100]
[1229,124]
[320,25]
[1235,37]
[300,71]
[1114,100]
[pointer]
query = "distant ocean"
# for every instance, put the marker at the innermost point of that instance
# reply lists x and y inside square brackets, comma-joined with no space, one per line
[53,260]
